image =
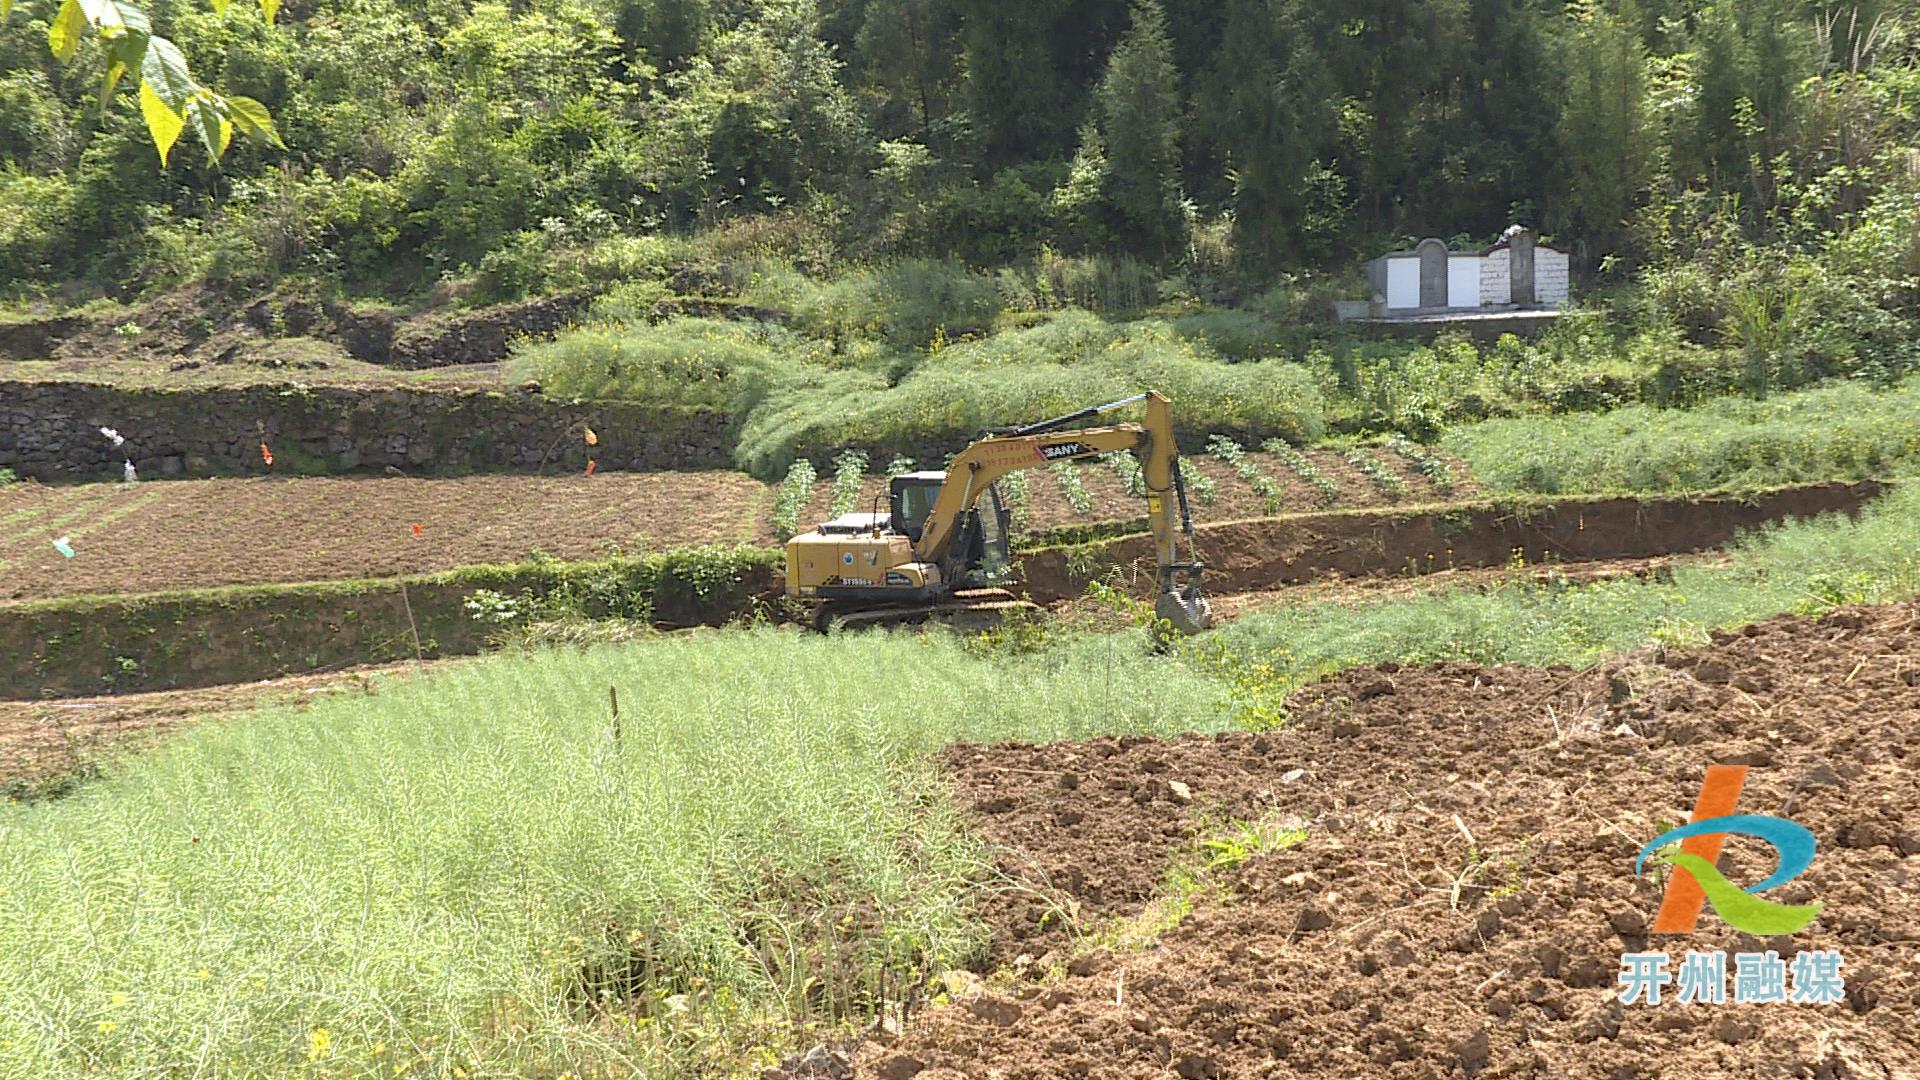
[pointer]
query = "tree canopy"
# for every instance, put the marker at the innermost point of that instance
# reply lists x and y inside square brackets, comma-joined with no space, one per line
[399,142]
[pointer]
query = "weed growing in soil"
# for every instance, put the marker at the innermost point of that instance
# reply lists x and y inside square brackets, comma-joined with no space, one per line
[1238,841]
[1235,457]
[1385,479]
[1327,488]
[791,498]
[848,470]
[471,870]
[1068,477]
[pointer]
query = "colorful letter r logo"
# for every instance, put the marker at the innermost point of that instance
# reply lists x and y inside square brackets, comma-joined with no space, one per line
[1696,877]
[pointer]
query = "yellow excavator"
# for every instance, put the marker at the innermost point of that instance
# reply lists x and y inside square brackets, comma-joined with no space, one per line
[941,551]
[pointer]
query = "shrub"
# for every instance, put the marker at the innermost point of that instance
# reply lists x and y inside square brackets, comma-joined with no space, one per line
[848,471]
[909,303]
[1018,496]
[1127,468]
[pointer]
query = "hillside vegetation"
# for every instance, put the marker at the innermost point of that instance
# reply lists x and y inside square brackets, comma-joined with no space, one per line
[1747,163]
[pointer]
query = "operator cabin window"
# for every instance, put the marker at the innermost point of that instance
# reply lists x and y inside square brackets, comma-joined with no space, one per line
[916,502]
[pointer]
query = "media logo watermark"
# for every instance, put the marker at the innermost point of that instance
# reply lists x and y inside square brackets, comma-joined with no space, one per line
[1692,852]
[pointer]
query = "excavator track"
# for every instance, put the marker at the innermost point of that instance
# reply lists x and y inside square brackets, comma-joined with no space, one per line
[967,610]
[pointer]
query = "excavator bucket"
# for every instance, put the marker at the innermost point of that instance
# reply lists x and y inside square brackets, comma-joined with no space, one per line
[1185,608]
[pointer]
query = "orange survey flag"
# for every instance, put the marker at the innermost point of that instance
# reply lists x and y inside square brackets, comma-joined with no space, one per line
[266,455]
[416,528]
[591,464]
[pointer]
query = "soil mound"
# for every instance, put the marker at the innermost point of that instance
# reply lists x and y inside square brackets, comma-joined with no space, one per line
[1465,888]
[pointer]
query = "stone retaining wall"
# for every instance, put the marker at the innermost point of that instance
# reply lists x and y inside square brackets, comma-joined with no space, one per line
[50,431]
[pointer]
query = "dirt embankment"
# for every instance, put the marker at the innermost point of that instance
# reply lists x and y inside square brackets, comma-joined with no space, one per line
[1465,887]
[1263,553]
[190,328]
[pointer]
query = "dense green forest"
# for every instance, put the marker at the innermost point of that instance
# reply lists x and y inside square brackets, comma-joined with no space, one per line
[1739,184]
[1230,137]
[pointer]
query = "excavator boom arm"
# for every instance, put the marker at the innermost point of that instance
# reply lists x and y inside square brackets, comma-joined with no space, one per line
[974,469]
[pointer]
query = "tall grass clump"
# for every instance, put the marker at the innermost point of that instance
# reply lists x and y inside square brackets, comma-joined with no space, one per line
[1069,362]
[1847,431]
[907,303]
[470,870]
[702,363]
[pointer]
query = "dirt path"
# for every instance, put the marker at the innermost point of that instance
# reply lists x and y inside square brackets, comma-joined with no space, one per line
[1464,889]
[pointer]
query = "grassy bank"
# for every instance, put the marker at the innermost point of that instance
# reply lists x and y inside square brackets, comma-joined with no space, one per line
[1799,566]
[1845,431]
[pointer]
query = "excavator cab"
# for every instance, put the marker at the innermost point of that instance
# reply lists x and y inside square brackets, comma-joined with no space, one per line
[981,542]
[910,499]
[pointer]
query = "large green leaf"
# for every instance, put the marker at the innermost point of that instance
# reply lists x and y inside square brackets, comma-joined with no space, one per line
[252,118]
[125,53]
[269,8]
[68,27]
[203,116]
[165,70]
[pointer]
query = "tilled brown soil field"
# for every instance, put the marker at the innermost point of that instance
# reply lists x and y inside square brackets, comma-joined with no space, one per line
[1465,889]
[1230,496]
[198,533]
[153,536]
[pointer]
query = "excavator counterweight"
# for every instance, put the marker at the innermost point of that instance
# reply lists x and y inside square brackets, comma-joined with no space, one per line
[941,550]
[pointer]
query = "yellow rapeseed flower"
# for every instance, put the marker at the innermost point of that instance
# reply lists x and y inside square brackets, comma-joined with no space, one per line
[379,1048]
[118,999]
[203,973]
[317,1042]
[106,1026]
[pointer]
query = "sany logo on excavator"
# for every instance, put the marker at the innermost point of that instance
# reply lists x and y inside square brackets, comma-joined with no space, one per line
[1056,451]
